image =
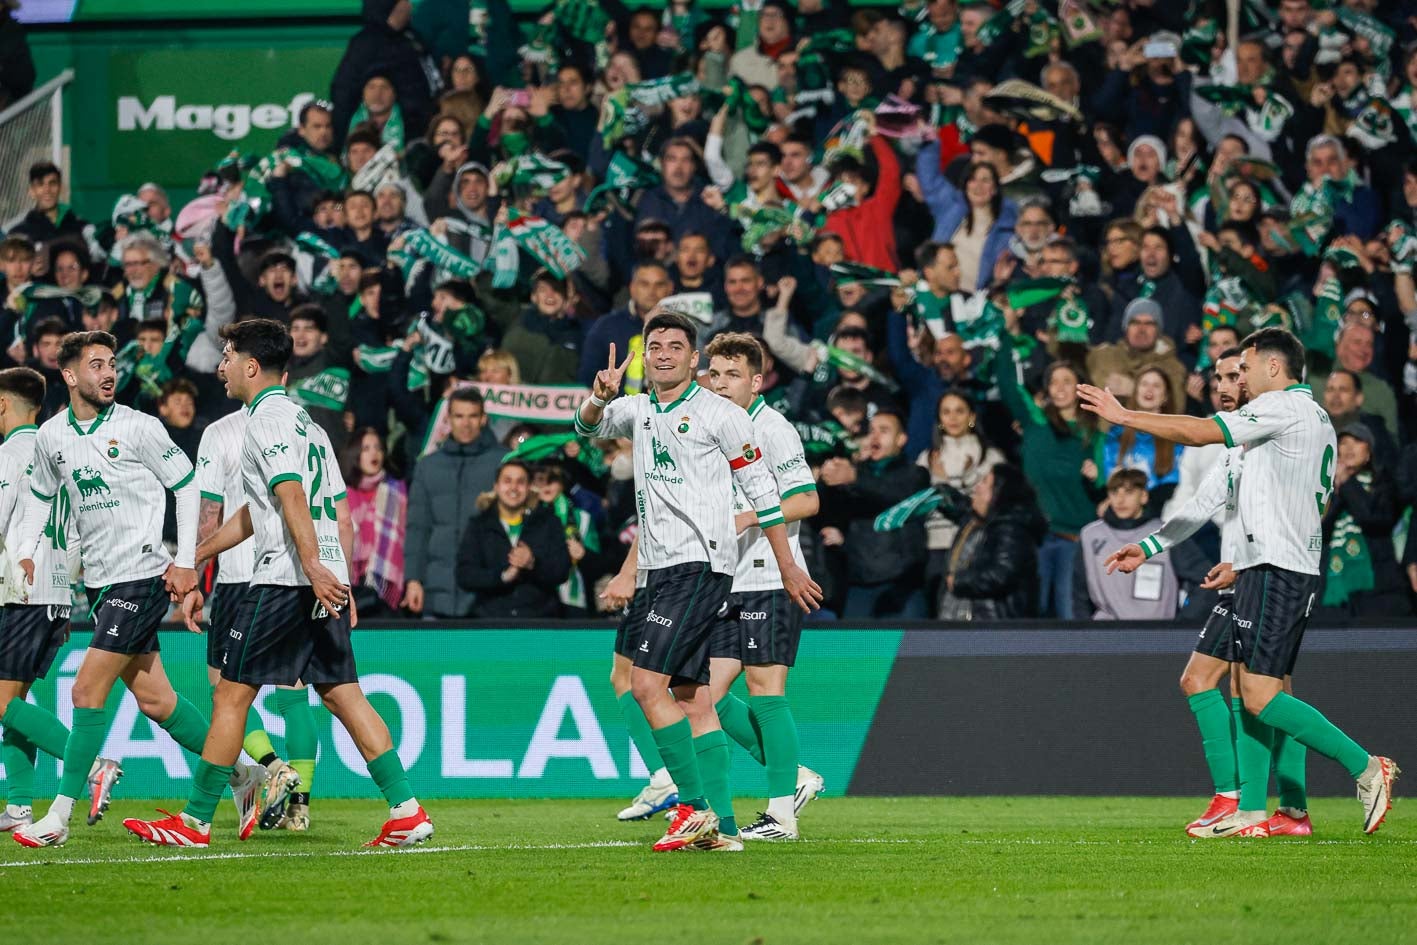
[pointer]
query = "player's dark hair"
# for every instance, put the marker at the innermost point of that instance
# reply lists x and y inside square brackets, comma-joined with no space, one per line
[1280,342]
[23,383]
[74,343]
[672,321]
[265,341]
[467,395]
[1126,479]
[39,170]
[738,344]
[1229,352]
[312,313]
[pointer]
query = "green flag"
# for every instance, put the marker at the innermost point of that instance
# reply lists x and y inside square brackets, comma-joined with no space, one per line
[1026,292]
[917,506]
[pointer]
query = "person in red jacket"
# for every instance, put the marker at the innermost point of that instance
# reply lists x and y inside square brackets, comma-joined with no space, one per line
[867,229]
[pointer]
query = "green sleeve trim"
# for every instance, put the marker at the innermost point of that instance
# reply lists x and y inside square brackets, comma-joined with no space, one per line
[183,481]
[340,497]
[1229,440]
[40,495]
[798,490]
[1150,546]
[581,427]
[283,477]
[212,496]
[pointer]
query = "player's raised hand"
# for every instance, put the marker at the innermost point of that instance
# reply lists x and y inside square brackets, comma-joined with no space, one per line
[607,381]
[192,610]
[1125,559]
[179,581]
[27,566]
[618,592]
[329,590]
[1101,401]
[1219,577]
[801,588]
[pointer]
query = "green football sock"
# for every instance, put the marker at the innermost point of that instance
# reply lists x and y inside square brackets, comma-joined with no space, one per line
[737,721]
[301,742]
[19,754]
[85,741]
[186,725]
[713,755]
[1290,757]
[1254,741]
[208,785]
[1216,723]
[40,726]
[640,732]
[772,716]
[1309,727]
[676,747]
[387,772]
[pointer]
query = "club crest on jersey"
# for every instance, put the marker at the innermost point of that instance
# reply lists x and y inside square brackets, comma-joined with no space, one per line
[750,456]
[683,424]
[112,449]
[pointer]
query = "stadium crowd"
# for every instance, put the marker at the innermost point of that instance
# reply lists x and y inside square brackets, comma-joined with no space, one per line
[939,219]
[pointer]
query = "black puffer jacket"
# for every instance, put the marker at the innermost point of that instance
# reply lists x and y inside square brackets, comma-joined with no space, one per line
[994,562]
[483,558]
[874,557]
[378,50]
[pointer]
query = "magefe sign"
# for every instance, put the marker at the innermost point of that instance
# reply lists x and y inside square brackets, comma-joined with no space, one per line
[496,713]
[192,106]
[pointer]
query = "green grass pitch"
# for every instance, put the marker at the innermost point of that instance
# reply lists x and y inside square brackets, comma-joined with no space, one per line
[908,870]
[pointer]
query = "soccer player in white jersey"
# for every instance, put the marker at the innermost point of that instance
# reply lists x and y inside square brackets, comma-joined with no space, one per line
[1239,762]
[762,628]
[688,548]
[110,465]
[219,483]
[34,621]
[1289,449]
[295,619]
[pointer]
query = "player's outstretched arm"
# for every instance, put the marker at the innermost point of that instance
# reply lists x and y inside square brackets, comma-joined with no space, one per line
[605,389]
[1187,431]
[295,510]
[231,533]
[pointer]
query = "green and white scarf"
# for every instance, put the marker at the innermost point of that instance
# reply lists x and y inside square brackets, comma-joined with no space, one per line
[1350,565]
[546,242]
[917,506]
[327,390]
[393,132]
[830,356]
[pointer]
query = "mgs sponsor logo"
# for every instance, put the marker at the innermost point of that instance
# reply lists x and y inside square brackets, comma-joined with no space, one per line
[274,450]
[792,463]
[171,452]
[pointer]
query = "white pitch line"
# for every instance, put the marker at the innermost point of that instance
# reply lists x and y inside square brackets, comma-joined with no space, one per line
[311,854]
[1177,842]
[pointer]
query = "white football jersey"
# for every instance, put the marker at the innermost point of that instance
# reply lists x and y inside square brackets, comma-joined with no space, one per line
[1289,456]
[782,451]
[282,444]
[1218,492]
[219,479]
[683,488]
[115,469]
[51,558]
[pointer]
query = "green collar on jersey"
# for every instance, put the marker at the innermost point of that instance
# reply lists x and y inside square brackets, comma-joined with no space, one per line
[103,415]
[756,407]
[689,392]
[1302,388]
[268,392]
[25,428]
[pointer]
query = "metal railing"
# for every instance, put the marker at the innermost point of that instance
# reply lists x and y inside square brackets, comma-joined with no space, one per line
[31,130]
